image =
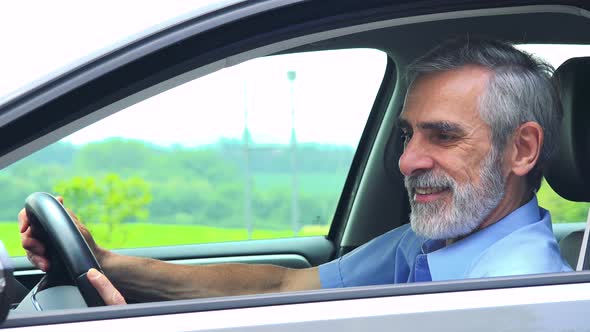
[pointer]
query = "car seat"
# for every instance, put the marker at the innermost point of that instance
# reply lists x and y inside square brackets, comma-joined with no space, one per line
[568,170]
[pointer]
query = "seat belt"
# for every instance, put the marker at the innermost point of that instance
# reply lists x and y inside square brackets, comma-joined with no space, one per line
[584,259]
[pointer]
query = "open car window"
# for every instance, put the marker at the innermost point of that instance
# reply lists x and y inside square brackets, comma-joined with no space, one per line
[255,151]
[226,190]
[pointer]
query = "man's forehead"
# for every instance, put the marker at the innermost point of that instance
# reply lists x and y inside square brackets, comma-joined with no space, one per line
[409,117]
[461,81]
[450,96]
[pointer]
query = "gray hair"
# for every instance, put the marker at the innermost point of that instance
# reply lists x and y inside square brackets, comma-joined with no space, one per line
[520,90]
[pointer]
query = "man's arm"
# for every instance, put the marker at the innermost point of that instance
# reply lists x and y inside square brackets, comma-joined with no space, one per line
[145,279]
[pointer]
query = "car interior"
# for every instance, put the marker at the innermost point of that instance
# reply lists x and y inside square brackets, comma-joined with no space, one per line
[565,170]
[373,200]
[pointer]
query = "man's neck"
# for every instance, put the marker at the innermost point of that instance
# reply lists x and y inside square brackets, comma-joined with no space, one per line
[506,206]
[517,194]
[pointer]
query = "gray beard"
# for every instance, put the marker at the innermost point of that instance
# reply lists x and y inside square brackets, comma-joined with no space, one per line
[470,205]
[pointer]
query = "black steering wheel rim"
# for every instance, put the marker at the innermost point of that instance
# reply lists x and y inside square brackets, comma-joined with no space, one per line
[66,247]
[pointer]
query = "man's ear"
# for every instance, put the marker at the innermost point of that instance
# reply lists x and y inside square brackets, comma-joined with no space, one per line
[526,148]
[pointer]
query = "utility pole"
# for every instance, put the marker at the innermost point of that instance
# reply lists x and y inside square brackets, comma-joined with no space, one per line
[291,75]
[246,139]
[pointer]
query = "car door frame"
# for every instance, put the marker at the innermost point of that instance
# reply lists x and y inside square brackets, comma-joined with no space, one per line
[38,103]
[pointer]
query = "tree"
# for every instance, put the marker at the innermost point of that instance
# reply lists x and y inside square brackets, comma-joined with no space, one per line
[106,203]
[561,209]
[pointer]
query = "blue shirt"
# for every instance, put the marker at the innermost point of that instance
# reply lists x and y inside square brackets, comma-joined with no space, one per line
[520,243]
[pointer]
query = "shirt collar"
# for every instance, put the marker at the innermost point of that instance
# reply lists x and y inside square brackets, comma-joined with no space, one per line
[451,262]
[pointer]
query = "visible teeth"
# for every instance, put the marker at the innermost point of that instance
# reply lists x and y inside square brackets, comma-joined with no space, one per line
[427,191]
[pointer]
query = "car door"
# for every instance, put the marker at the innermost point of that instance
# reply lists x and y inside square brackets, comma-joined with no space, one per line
[230,36]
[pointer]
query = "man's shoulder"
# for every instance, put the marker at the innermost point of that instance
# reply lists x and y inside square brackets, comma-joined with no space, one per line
[379,261]
[528,250]
[403,232]
[401,236]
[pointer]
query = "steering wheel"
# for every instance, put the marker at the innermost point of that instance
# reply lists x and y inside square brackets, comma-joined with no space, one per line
[70,257]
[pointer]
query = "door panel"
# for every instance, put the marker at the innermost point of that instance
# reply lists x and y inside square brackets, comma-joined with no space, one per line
[288,252]
[539,308]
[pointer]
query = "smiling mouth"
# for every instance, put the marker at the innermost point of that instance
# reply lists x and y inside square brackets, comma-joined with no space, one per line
[428,194]
[428,191]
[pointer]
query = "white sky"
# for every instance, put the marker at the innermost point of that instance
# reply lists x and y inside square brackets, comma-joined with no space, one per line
[331,104]
[333,93]
[38,37]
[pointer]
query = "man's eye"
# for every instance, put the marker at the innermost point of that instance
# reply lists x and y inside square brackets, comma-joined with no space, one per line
[445,137]
[405,136]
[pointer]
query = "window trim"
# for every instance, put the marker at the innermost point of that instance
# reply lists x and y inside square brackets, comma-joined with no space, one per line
[27,145]
[264,300]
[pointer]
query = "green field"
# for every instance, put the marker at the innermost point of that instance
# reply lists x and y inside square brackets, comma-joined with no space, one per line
[149,235]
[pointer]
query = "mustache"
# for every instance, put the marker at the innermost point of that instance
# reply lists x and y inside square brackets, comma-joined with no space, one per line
[429,179]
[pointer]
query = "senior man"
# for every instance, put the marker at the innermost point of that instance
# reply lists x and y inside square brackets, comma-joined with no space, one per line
[479,121]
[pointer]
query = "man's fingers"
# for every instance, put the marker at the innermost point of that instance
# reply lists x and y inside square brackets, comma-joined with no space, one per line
[105,288]
[23,221]
[39,261]
[35,250]
[31,244]
[73,215]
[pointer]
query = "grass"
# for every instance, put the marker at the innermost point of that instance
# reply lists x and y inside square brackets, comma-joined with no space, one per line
[150,235]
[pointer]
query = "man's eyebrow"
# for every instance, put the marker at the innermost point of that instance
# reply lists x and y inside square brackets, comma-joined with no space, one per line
[445,126]
[402,124]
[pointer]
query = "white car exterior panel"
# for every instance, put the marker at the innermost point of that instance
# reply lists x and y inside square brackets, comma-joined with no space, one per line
[535,308]
[541,308]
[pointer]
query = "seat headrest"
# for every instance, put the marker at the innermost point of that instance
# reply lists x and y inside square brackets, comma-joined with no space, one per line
[568,170]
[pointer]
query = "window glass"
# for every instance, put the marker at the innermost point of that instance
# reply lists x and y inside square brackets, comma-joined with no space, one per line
[67,31]
[258,150]
[562,210]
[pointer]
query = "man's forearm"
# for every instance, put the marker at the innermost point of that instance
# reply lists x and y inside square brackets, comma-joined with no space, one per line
[145,279]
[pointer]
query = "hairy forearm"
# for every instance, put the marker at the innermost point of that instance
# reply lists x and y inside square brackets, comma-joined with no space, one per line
[145,279]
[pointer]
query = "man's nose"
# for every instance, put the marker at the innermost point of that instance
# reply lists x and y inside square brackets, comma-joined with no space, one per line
[415,158]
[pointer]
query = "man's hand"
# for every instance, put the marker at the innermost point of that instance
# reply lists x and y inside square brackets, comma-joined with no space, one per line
[35,249]
[108,292]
